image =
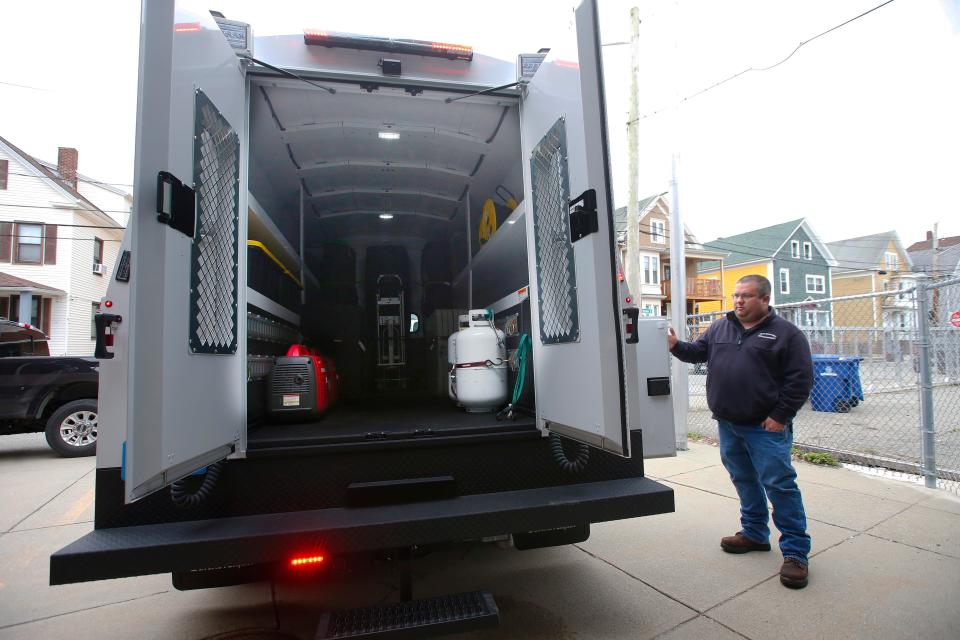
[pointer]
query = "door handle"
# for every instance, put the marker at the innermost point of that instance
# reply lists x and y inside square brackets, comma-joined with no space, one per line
[633,317]
[104,321]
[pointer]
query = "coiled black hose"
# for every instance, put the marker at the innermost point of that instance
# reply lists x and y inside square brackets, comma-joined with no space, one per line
[569,465]
[183,497]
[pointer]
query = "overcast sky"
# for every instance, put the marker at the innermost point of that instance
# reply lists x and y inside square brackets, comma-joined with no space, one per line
[858,131]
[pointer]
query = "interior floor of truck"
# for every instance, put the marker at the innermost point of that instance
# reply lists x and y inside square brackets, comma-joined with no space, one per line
[379,419]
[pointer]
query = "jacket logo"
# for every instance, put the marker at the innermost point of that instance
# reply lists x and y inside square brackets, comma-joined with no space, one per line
[767,336]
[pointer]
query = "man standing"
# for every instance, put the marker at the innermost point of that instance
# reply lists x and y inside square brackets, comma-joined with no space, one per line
[759,375]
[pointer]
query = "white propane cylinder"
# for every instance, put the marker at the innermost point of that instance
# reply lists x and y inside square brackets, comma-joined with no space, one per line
[481,364]
[463,321]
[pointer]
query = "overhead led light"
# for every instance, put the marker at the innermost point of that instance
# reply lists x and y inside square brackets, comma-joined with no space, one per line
[388,135]
[386,216]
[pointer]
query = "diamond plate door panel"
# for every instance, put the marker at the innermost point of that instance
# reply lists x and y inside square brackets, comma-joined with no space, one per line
[214,267]
[556,269]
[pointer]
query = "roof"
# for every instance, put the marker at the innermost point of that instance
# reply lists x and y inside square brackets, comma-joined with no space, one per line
[56,181]
[620,215]
[928,243]
[948,260]
[762,244]
[52,166]
[866,252]
[13,283]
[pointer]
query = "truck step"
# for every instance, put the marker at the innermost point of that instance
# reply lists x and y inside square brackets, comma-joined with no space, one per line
[414,618]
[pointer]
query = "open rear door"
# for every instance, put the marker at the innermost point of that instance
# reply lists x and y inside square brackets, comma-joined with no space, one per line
[185,403]
[578,339]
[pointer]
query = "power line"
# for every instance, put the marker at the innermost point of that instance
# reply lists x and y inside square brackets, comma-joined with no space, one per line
[77,226]
[773,66]
[750,250]
[59,238]
[24,86]
[63,208]
[81,179]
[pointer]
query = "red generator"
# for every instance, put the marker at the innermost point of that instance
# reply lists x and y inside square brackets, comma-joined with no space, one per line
[303,384]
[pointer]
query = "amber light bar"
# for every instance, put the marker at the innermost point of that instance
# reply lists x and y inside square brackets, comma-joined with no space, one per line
[305,561]
[391,45]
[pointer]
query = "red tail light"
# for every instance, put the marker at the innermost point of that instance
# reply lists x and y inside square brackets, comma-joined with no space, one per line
[306,561]
[186,27]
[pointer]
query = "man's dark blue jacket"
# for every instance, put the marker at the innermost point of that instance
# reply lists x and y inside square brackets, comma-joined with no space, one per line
[753,374]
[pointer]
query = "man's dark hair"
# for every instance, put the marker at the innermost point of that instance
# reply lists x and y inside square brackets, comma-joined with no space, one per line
[763,285]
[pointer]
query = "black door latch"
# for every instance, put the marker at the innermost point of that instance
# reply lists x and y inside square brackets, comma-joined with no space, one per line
[583,215]
[176,204]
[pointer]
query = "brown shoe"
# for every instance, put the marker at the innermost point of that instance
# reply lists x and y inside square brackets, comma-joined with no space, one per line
[739,543]
[793,573]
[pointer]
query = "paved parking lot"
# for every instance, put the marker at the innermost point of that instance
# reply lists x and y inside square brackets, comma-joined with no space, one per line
[885,425]
[886,564]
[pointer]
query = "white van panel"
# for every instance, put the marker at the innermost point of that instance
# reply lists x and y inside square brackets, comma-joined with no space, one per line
[580,386]
[185,409]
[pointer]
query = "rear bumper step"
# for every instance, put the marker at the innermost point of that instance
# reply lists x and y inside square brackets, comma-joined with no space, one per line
[414,618]
[205,544]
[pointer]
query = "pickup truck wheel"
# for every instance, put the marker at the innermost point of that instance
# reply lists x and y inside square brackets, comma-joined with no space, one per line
[72,429]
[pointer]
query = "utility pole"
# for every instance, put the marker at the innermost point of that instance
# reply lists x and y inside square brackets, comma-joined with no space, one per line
[934,265]
[633,198]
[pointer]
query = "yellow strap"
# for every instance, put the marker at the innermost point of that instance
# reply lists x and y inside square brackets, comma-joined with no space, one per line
[488,223]
[283,267]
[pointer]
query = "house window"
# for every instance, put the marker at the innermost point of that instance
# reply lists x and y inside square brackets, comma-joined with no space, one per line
[651,270]
[784,280]
[658,231]
[29,243]
[4,168]
[807,251]
[816,284]
[97,255]
[93,320]
[903,285]
[891,261]
[811,318]
[794,248]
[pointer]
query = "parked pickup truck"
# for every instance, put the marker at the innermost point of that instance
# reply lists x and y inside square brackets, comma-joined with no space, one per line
[39,392]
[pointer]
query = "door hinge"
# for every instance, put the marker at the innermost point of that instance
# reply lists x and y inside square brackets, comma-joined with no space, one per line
[583,215]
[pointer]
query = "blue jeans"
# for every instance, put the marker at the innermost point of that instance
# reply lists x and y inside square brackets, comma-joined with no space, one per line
[759,465]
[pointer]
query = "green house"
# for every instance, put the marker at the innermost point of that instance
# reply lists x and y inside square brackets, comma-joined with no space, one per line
[794,259]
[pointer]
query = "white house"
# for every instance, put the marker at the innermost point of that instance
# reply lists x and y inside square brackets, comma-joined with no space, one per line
[60,233]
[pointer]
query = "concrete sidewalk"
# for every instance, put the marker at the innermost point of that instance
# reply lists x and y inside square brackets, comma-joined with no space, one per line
[885,564]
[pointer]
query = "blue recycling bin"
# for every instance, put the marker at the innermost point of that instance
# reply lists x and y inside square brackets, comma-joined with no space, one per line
[836,383]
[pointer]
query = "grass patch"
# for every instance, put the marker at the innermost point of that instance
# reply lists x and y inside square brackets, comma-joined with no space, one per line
[824,459]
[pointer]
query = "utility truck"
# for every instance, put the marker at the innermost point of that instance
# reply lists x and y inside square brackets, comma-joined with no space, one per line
[326,189]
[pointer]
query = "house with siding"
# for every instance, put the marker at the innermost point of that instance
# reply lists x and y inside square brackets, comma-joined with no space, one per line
[940,264]
[877,263]
[60,233]
[790,255]
[654,259]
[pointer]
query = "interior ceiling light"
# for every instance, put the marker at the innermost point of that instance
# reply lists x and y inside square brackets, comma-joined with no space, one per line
[388,135]
[386,216]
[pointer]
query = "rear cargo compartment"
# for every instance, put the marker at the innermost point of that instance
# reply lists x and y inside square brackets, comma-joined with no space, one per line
[395,197]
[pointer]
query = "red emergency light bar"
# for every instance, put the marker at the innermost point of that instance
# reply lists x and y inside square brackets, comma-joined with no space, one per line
[389,45]
[306,561]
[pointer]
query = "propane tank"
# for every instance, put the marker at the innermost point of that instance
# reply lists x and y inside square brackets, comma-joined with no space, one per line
[463,322]
[479,376]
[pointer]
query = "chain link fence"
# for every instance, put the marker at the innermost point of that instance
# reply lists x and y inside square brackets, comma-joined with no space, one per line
[886,390]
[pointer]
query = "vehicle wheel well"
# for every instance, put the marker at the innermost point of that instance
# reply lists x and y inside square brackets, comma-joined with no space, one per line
[59,397]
